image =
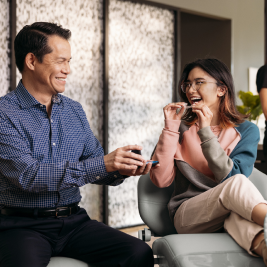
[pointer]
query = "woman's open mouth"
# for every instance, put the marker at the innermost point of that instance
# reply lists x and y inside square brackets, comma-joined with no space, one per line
[195,100]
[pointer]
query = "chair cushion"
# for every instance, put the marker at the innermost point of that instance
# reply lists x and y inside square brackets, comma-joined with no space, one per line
[67,262]
[209,250]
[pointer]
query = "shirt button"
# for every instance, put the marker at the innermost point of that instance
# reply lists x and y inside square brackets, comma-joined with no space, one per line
[41,106]
[54,144]
[97,177]
[115,176]
[51,120]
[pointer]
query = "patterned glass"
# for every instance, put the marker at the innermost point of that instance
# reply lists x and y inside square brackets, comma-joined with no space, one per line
[85,83]
[141,69]
[4,48]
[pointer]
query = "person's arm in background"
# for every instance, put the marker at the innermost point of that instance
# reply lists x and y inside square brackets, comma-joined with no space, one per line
[263,98]
[261,82]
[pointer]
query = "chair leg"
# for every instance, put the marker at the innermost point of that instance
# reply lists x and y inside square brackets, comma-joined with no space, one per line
[145,234]
[161,261]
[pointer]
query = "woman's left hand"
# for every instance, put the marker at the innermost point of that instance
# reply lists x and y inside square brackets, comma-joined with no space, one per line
[204,114]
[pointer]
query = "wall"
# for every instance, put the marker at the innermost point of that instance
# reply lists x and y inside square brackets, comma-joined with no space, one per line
[141,75]
[247,31]
[4,47]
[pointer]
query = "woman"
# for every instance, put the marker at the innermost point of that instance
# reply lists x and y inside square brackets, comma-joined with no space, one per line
[209,149]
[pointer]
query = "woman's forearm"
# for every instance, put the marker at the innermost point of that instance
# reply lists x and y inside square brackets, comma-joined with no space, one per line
[163,175]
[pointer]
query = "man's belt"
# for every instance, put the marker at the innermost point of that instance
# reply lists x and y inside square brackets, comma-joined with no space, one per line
[40,212]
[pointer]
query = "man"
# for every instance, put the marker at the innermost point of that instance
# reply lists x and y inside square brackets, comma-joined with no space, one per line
[48,151]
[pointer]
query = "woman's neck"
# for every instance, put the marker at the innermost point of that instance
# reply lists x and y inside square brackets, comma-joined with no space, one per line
[215,119]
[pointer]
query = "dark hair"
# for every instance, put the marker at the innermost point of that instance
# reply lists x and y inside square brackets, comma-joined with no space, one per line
[229,116]
[34,38]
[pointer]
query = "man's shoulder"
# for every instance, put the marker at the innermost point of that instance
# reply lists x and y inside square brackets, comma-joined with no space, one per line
[8,102]
[70,102]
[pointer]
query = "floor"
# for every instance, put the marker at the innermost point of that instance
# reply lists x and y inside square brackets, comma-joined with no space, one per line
[133,231]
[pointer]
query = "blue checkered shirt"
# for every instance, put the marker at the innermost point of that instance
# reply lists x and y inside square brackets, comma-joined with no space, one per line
[44,161]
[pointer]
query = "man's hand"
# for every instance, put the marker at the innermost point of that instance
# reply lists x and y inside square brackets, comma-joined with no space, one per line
[127,162]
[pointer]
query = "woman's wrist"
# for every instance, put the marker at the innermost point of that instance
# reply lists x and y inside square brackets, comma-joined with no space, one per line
[172,125]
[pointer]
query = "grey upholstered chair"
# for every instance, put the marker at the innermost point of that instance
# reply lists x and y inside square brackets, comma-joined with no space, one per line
[189,250]
[67,262]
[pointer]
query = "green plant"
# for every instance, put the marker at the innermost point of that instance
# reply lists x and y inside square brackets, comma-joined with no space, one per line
[251,105]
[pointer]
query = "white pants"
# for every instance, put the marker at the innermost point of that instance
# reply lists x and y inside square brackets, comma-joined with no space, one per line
[227,205]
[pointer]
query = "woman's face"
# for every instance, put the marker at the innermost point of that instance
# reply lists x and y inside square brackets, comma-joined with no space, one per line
[209,92]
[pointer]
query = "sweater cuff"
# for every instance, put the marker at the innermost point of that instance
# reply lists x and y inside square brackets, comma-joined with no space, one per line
[172,125]
[205,134]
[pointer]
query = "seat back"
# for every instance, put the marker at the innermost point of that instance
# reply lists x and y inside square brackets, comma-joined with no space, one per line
[259,179]
[152,205]
[153,201]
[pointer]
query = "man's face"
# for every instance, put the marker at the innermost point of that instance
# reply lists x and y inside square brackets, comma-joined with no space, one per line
[51,74]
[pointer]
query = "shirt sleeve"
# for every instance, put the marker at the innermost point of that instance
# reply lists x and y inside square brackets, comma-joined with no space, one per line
[93,149]
[22,170]
[164,175]
[218,161]
[240,161]
[245,153]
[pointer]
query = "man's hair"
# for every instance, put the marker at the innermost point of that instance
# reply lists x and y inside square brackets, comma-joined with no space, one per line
[34,39]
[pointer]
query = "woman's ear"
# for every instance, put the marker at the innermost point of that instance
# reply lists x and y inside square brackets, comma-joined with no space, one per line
[221,91]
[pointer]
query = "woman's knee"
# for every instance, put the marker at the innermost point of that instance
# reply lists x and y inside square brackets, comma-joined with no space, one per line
[236,182]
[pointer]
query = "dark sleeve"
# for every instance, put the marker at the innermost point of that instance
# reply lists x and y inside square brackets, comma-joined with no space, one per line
[261,80]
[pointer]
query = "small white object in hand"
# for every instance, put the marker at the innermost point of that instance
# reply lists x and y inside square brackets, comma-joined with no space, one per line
[178,109]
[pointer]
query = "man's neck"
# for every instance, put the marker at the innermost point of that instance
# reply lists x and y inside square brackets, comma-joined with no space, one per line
[39,93]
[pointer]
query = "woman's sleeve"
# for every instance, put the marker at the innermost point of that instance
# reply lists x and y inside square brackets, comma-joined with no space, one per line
[163,175]
[240,161]
[245,153]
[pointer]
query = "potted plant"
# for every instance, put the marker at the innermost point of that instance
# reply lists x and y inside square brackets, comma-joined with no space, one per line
[251,105]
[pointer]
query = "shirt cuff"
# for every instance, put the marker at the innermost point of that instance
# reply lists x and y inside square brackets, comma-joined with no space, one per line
[95,169]
[172,125]
[205,134]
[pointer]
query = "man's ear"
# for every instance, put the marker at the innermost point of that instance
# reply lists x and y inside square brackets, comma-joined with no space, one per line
[221,90]
[30,61]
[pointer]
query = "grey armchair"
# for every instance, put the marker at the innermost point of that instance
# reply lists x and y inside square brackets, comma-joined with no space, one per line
[189,250]
[66,262]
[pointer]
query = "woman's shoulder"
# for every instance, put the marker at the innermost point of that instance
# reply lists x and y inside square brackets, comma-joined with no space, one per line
[248,129]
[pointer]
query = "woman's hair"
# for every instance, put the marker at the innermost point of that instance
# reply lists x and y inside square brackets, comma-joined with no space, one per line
[229,116]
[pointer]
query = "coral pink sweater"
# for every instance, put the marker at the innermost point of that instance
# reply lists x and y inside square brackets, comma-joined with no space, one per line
[189,150]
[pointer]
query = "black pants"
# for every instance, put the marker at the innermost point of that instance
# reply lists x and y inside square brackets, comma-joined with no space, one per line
[30,242]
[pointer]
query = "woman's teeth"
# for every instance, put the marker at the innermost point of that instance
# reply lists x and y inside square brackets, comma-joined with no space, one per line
[195,100]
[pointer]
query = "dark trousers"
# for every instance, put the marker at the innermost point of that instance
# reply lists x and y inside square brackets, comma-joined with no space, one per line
[31,242]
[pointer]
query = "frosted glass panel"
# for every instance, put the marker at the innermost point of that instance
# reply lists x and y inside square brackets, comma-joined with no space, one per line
[4,48]
[85,83]
[141,69]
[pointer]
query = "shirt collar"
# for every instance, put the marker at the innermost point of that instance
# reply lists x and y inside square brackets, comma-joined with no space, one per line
[27,100]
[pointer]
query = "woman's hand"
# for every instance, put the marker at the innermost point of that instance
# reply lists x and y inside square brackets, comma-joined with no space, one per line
[204,115]
[170,111]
